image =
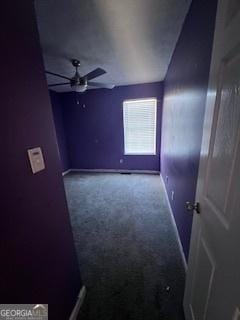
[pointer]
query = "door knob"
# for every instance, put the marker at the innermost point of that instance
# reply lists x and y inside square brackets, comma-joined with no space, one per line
[193,206]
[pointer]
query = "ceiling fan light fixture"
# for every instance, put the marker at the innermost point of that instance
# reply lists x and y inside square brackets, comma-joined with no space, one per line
[79,87]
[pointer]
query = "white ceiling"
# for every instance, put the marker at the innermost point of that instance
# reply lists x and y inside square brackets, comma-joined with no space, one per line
[133,40]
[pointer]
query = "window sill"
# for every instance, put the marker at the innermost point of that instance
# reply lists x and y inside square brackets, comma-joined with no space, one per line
[140,154]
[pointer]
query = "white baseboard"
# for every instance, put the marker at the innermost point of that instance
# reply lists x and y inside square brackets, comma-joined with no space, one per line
[80,299]
[175,226]
[115,171]
[66,172]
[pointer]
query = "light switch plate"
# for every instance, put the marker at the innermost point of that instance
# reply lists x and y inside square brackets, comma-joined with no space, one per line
[36,159]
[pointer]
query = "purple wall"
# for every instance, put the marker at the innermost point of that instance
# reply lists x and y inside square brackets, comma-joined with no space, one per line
[60,131]
[95,133]
[38,260]
[183,111]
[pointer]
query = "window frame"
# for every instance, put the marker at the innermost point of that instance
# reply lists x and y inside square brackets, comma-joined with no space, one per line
[155,122]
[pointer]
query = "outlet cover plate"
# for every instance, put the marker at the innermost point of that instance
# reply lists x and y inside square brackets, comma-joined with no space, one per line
[36,159]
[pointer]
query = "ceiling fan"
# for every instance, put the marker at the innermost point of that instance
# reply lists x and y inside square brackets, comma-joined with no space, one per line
[81,84]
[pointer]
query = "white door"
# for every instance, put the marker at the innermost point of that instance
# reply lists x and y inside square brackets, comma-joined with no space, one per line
[213,277]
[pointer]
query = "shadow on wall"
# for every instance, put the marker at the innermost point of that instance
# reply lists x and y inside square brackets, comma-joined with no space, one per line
[60,130]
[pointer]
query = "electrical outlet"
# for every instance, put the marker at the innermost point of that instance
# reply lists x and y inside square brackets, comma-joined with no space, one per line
[172,195]
[121,160]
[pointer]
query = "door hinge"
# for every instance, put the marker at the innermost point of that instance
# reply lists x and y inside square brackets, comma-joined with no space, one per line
[193,206]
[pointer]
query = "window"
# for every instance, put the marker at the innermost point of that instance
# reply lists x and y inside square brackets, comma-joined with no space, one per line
[139,121]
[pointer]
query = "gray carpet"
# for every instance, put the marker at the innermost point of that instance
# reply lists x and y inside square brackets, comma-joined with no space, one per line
[126,245]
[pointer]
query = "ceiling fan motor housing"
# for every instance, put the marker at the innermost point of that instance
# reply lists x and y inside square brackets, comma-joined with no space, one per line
[78,84]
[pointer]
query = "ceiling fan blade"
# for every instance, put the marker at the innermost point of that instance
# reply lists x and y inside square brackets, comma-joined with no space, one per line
[58,84]
[101,85]
[95,73]
[57,75]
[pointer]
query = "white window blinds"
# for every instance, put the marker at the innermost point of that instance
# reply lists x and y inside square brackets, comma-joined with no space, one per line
[139,120]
